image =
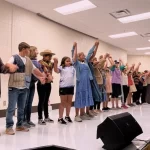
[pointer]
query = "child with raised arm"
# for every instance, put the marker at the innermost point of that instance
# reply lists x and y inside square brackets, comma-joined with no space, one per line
[116,82]
[83,97]
[66,87]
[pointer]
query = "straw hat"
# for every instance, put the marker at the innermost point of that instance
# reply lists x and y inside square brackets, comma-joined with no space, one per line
[47,52]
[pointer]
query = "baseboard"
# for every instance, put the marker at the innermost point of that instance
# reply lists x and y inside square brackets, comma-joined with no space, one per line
[34,109]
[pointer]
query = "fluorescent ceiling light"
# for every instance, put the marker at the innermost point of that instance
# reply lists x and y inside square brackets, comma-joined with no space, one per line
[75,7]
[135,18]
[147,53]
[143,48]
[122,35]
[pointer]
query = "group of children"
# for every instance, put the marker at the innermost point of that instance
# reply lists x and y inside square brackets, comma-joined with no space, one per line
[97,83]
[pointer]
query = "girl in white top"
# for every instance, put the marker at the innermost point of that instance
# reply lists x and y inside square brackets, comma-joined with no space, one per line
[125,84]
[66,87]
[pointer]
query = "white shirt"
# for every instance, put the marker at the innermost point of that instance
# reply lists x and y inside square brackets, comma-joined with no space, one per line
[66,76]
[11,61]
[124,79]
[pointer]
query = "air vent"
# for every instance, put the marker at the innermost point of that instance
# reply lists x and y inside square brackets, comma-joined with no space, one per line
[145,35]
[121,13]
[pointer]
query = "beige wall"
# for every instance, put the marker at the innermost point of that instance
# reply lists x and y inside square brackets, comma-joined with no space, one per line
[145,61]
[17,25]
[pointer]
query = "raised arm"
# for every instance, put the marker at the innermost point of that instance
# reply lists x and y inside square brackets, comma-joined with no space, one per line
[95,51]
[56,65]
[74,52]
[121,62]
[102,61]
[111,61]
[137,68]
[91,51]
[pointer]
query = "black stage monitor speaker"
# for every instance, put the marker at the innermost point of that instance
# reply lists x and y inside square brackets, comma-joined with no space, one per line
[50,147]
[116,132]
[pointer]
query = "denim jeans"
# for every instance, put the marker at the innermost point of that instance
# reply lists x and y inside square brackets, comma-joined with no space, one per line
[28,107]
[19,97]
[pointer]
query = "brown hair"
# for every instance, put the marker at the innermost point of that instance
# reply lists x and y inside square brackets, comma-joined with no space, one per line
[22,46]
[63,61]
[32,54]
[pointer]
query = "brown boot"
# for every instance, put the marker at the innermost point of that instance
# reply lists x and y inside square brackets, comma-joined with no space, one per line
[22,128]
[9,131]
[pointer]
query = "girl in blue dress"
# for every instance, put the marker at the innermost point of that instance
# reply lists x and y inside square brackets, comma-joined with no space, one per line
[83,96]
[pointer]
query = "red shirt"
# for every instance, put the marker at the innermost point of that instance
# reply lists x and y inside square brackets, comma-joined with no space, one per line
[130,81]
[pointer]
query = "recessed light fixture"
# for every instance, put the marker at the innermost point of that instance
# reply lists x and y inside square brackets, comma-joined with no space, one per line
[149,40]
[75,7]
[135,18]
[143,48]
[123,35]
[147,53]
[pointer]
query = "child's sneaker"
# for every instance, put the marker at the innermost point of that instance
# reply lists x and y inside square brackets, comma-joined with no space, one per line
[68,119]
[41,122]
[77,119]
[62,121]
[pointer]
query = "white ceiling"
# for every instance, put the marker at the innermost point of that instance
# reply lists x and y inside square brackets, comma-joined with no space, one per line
[98,22]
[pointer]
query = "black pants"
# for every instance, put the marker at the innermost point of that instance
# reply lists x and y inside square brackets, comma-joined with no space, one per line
[137,94]
[125,92]
[143,98]
[44,94]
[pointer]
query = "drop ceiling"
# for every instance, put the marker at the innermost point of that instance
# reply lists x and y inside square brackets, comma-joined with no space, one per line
[98,22]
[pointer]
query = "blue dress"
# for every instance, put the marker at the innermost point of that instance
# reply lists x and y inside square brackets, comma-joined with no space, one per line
[83,95]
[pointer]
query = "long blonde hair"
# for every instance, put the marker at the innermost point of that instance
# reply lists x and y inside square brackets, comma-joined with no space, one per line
[32,54]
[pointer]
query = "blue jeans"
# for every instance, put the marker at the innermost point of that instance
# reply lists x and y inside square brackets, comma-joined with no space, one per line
[28,107]
[19,97]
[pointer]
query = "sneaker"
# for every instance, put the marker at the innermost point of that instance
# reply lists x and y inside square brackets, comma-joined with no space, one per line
[124,106]
[62,121]
[48,120]
[90,115]
[68,119]
[104,109]
[22,128]
[77,119]
[26,125]
[138,103]
[41,122]
[108,108]
[31,124]
[94,113]
[118,107]
[113,108]
[9,131]
[85,117]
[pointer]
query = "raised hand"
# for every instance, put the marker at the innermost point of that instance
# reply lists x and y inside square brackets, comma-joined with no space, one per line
[96,43]
[139,63]
[74,44]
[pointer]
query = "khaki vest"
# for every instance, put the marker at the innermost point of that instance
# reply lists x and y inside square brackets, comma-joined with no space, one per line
[18,80]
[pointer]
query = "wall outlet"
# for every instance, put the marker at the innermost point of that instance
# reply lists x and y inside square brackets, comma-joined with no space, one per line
[4,103]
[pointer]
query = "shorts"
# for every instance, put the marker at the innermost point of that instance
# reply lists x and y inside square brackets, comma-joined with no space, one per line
[66,91]
[116,90]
